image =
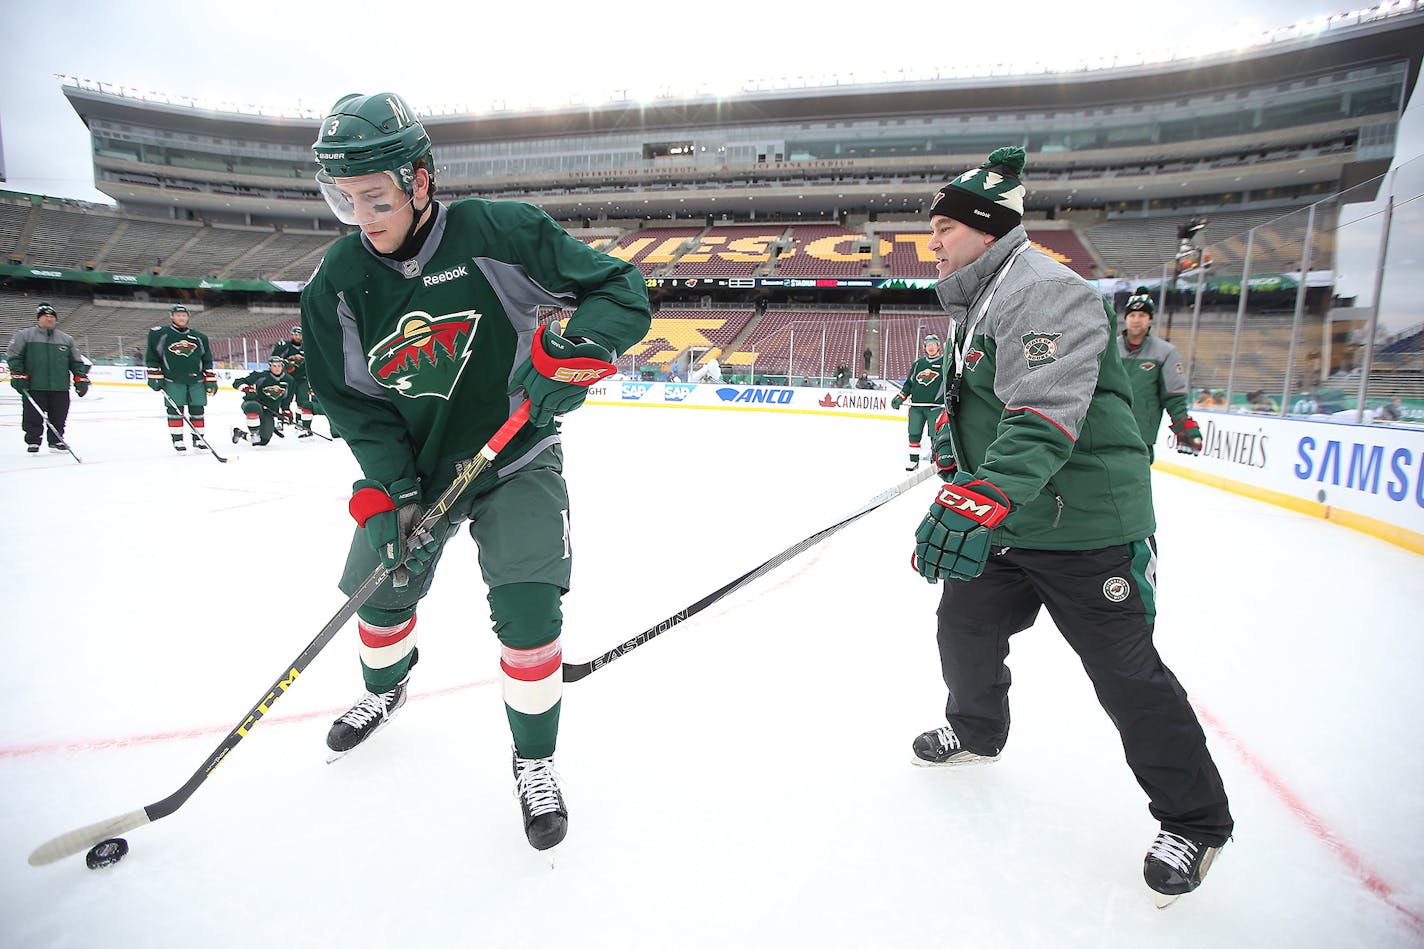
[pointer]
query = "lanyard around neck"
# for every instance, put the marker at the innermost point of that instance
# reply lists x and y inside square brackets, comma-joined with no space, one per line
[962,350]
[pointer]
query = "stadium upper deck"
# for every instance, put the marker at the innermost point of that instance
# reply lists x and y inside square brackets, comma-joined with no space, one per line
[1269,126]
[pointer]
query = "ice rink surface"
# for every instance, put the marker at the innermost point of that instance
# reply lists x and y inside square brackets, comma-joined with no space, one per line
[744,780]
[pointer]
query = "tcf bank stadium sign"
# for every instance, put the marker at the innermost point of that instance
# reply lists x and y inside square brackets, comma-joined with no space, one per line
[1327,466]
[803,401]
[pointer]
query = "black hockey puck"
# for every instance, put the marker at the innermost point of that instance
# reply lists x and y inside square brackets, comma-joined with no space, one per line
[107,853]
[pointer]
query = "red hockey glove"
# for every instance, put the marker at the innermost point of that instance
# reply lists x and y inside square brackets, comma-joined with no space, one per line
[1189,440]
[19,381]
[81,386]
[558,372]
[210,382]
[952,542]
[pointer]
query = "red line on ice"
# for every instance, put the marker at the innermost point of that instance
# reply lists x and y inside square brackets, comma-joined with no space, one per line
[102,744]
[1373,882]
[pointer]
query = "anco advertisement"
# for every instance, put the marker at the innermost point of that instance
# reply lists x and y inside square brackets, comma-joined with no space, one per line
[854,402]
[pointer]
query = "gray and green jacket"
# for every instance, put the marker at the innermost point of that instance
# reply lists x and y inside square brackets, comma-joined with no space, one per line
[924,386]
[412,359]
[1158,381]
[180,355]
[1045,411]
[48,357]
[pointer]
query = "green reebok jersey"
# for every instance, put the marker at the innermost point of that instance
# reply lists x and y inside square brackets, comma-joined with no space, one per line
[296,361]
[269,389]
[180,355]
[925,383]
[411,359]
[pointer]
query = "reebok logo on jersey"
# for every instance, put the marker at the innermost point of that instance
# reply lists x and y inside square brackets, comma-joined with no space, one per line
[445,276]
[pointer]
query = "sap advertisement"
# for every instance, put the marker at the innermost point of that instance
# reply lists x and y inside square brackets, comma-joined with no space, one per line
[1372,470]
[862,402]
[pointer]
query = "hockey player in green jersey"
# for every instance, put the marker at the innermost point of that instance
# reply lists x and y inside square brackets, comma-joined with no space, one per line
[297,388]
[422,338]
[262,395]
[924,387]
[1154,368]
[180,365]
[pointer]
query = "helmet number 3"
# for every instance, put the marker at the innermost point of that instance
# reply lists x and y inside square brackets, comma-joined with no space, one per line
[331,129]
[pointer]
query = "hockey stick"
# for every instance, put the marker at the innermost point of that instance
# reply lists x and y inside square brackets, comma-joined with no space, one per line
[191,427]
[574,671]
[50,425]
[76,840]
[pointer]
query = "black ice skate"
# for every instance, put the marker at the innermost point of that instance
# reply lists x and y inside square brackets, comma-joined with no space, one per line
[238,434]
[367,716]
[941,747]
[58,447]
[536,784]
[200,444]
[32,449]
[1175,865]
[179,446]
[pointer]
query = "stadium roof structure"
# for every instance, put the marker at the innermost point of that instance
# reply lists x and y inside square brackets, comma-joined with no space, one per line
[1309,114]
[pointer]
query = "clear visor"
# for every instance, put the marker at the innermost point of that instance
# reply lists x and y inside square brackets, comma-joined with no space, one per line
[367,199]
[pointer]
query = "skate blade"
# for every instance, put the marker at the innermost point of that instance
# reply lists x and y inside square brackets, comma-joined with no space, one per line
[919,762]
[334,756]
[1164,900]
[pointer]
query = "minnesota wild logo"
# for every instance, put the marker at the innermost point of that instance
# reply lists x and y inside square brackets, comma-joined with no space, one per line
[1040,348]
[425,355]
[182,347]
[927,375]
[274,391]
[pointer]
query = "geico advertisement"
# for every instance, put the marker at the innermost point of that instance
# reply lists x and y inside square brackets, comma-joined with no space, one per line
[1368,469]
[133,375]
[744,398]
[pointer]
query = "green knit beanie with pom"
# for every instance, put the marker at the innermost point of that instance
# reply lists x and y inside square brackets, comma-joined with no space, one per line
[988,198]
[1141,300]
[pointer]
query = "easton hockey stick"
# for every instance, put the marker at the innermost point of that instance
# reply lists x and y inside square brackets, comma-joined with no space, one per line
[50,425]
[574,671]
[192,428]
[81,839]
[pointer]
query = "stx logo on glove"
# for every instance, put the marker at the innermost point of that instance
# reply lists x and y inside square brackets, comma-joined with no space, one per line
[581,377]
[976,507]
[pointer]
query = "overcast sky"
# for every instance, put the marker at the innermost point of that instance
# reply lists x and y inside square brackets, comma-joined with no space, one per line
[287,54]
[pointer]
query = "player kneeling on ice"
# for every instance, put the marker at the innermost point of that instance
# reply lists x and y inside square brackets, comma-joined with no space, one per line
[422,338]
[262,395]
[1048,505]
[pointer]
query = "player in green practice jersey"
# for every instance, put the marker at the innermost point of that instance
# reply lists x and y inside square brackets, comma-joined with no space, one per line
[422,337]
[924,387]
[262,395]
[298,390]
[180,365]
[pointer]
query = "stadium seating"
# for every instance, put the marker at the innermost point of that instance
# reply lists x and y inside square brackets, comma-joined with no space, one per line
[824,251]
[729,251]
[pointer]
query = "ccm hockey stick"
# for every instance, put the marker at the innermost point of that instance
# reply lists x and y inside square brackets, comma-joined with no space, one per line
[81,839]
[50,425]
[574,671]
[193,428]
